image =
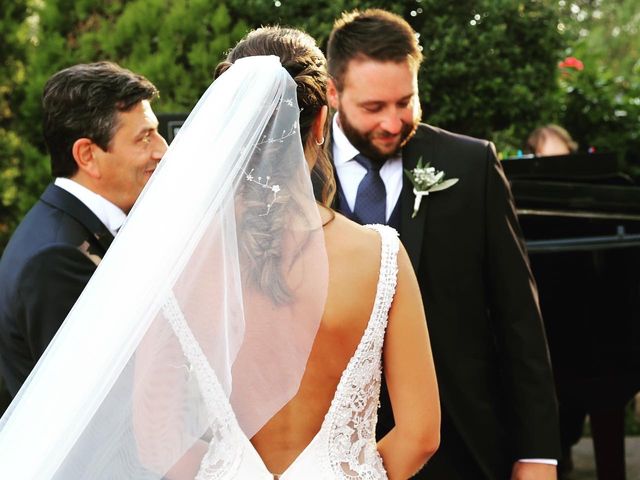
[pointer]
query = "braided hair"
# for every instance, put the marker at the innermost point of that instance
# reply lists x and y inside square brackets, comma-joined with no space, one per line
[261,235]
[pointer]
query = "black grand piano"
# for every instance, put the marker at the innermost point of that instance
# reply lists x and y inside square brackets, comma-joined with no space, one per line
[580,215]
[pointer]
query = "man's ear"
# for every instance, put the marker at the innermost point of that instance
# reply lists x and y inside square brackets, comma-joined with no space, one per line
[332,94]
[84,152]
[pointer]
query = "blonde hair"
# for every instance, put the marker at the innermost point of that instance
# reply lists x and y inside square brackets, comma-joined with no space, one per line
[541,134]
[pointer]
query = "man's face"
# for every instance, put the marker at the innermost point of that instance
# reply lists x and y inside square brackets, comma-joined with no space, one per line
[132,156]
[378,106]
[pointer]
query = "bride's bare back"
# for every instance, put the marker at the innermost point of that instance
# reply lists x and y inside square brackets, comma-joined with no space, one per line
[354,265]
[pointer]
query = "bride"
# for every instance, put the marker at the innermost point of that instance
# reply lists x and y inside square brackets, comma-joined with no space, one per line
[237,329]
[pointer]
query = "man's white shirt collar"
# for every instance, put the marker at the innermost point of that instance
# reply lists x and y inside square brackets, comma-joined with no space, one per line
[109,214]
[343,151]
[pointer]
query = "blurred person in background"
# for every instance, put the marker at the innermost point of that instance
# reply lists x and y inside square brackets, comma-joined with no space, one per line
[551,140]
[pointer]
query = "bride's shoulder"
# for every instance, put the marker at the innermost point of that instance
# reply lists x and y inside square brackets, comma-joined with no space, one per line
[350,238]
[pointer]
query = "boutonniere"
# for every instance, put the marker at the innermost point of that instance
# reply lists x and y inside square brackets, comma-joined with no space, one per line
[426,179]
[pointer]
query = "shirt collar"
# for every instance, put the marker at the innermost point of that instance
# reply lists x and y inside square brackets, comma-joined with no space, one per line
[343,151]
[109,214]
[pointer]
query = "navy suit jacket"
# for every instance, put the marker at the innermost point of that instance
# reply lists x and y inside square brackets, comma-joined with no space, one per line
[490,353]
[44,268]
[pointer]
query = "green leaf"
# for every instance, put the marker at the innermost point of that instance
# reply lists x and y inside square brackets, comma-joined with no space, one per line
[444,185]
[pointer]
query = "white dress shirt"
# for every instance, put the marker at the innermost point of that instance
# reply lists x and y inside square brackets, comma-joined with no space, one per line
[110,215]
[350,173]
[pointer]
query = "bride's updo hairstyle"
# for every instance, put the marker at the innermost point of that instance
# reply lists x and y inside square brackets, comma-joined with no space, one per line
[306,64]
[262,237]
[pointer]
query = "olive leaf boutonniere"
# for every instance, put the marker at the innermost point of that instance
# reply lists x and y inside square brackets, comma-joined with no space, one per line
[426,179]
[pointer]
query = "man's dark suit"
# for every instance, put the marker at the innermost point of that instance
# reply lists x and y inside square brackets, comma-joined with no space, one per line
[46,265]
[495,382]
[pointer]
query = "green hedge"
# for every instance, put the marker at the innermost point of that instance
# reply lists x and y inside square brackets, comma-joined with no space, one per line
[13,38]
[491,67]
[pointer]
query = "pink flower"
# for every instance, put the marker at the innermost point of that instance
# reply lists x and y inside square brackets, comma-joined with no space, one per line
[571,62]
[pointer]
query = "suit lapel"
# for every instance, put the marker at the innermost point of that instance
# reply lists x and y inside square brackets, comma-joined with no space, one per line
[337,204]
[336,198]
[412,229]
[63,200]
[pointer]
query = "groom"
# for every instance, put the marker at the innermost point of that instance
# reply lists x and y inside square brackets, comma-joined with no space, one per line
[497,395]
[103,140]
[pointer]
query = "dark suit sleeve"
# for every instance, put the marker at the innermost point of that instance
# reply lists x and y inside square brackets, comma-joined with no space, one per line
[5,397]
[50,285]
[518,325]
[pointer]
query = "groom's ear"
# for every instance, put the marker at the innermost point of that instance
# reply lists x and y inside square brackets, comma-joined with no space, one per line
[332,94]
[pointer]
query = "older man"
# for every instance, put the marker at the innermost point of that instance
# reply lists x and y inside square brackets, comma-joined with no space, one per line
[103,140]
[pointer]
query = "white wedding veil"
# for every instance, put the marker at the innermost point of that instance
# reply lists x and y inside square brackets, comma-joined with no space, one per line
[215,286]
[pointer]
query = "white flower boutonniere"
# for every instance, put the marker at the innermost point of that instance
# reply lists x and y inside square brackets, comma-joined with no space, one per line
[426,179]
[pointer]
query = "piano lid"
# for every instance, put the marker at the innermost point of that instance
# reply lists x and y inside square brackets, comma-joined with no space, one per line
[581,167]
[575,202]
[577,185]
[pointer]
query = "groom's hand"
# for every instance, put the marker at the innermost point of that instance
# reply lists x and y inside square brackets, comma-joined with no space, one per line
[533,471]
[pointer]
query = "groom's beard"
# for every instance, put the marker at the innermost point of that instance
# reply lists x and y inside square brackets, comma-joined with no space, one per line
[362,141]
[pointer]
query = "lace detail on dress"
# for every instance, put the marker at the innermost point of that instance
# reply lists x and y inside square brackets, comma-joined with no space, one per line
[353,414]
[223,455]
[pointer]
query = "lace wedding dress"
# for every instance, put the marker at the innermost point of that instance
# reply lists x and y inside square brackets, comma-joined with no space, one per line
[345,446]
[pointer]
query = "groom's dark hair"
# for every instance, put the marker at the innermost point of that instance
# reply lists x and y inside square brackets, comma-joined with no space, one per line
[370,34]
[83,101]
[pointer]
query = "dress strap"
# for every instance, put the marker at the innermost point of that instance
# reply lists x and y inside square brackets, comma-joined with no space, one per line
[352,414]
[389,254]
